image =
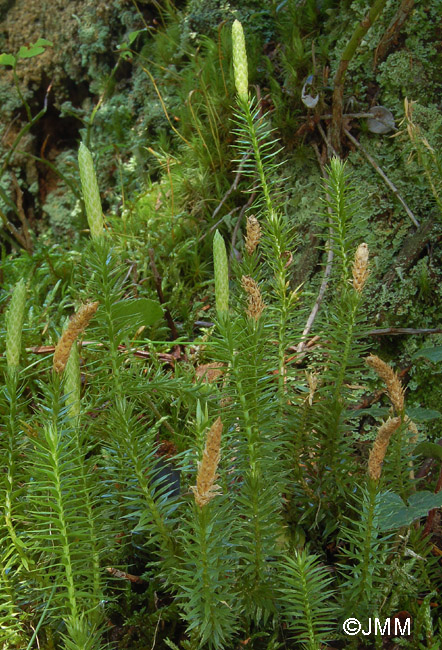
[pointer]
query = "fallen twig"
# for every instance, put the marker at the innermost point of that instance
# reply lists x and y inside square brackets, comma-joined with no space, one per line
[338,82]
[117,573]
[383,175]
[240,216]
[328,268]
[141,354]
[328,116]
[13,230]
[390,36]
[229,214]
[233,186]
[404,330]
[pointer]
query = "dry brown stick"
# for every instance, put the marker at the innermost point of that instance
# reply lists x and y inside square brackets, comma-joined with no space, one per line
[404,330]
[392,32]
[241,214]
[229,214]
[339,79]
[328,116]
[233,186]
[8,128]
[383,175]
[117,573]
[330,149]
[157,279]
[328,268]
[141,354]
[13,230]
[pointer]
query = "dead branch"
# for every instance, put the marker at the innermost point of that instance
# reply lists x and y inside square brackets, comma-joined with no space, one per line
[325,279]
[398,331]
[339,80]
[391,34]
[383,175]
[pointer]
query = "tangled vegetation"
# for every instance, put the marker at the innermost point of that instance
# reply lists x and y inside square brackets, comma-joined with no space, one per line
[221,341]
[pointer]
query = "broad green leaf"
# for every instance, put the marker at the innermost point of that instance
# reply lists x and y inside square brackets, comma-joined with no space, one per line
[44,41]
[423,415]
[133,35]
[373,411]
[27,52]
[423,501]
[7,59]
[432,354]
[429,450]
[395,513]
[136,312]
[125,53]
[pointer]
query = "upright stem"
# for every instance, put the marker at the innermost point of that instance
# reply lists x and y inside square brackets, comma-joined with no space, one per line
[339,80]
[277,244]
[11,479]
[108,298]
[368,541]
[253,471]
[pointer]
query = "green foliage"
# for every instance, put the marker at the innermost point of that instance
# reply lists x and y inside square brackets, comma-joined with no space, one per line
[204,580]
[307,593]
[400,514]
[139,312]
[366,552]
[102,543]
[25,52]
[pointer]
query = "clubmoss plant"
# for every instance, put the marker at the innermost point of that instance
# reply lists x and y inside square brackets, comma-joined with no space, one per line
[72,383]
[221,270]
[91,193]
[405,433]
[206,489]
[62,481]
[14,326]
[75,327]
[367,544]
[243,508]
[15,558]
[344,331]
[379,449]
[206,577]
[240,65]
[254,135]
[309,605]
